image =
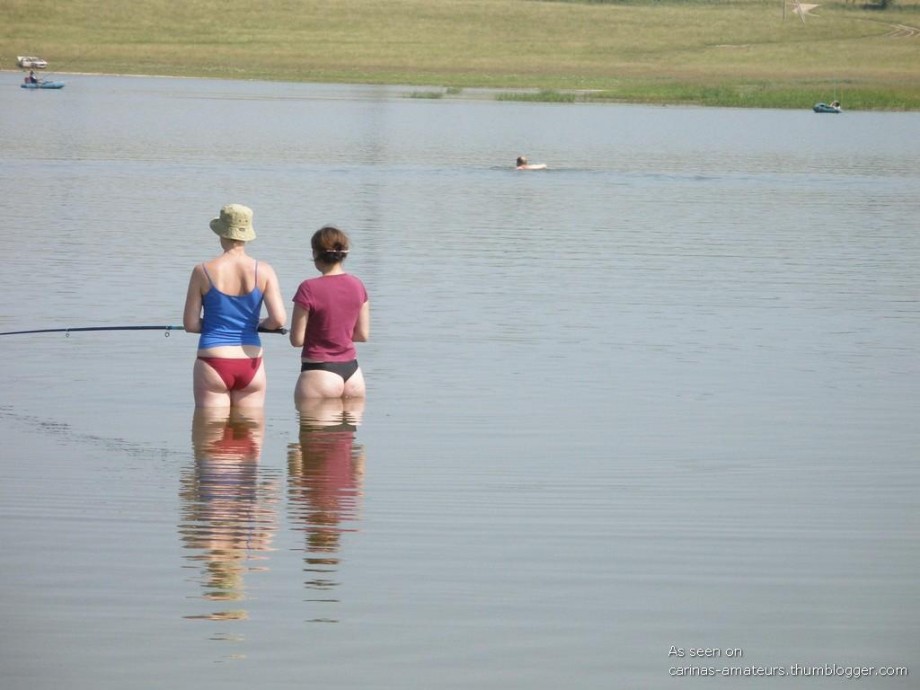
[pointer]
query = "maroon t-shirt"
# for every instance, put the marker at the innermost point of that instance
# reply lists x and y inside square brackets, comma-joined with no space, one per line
[334,303]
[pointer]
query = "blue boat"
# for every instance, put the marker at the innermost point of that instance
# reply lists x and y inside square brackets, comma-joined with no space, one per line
[827,108]
[43,85]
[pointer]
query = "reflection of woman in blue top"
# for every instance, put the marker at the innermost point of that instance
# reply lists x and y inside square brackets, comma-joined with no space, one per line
[224,304]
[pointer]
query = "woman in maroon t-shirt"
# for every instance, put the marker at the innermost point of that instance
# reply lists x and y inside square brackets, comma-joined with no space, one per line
[331,314]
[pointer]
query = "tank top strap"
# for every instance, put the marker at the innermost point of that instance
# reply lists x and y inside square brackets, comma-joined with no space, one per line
[208,275]
[257,272]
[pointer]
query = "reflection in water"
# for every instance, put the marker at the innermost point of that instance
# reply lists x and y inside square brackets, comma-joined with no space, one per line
[228,518]
[324,485]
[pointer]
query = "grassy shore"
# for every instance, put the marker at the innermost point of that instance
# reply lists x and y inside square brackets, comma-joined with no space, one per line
[709,52]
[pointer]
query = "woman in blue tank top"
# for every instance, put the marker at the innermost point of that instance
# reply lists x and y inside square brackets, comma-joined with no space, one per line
[224,304]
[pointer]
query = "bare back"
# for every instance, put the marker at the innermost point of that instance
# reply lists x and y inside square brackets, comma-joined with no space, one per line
[234,275]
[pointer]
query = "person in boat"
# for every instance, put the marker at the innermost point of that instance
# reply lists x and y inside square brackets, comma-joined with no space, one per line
[31,79]
[224,304]
[331,314]
[522,164]
[835,104]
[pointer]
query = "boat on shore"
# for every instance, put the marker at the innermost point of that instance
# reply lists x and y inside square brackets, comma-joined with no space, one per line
[827,108]
[31,62]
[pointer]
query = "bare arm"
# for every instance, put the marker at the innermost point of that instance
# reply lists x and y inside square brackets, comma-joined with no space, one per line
[299,326]
[191,317]
[362,330]
[277,315]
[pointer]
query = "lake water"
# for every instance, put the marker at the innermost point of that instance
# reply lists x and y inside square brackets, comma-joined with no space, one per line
[660,397]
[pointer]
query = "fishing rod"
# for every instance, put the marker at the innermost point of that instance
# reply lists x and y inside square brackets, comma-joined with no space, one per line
[83,329]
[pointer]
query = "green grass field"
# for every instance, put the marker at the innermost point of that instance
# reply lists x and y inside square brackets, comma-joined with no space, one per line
[709,52]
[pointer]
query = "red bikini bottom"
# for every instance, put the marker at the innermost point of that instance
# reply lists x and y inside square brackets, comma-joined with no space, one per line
[235,373]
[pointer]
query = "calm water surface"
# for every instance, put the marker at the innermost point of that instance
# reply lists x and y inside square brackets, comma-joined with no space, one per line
[664,394]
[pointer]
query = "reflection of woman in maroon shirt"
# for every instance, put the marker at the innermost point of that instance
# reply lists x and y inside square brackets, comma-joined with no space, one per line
[325,469]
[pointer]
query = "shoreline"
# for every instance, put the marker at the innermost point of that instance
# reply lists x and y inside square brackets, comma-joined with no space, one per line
[412,90]
[477,93]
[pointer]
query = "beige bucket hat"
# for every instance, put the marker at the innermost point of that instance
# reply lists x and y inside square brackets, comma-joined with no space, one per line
[234,223]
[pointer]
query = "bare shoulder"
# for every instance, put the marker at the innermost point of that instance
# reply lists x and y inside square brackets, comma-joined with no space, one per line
[267,275]
[198,273]
[198,281]
[266,268]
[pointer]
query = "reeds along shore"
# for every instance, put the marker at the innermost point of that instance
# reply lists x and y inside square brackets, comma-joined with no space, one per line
[745,53]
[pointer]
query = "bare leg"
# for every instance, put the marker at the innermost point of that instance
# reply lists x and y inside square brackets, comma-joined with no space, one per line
[322,411]
[354,409]
[209,426]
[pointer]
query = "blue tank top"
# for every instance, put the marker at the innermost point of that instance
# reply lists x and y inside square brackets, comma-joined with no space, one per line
[230,319]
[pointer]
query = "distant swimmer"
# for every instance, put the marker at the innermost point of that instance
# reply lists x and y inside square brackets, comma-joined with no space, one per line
[522,164]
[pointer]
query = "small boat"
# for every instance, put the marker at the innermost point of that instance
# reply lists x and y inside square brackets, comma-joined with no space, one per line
[43,85]
[31,62]
[827,108]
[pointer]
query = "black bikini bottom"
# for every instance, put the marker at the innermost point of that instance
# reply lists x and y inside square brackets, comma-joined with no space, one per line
[344,369]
